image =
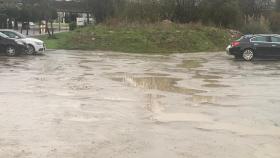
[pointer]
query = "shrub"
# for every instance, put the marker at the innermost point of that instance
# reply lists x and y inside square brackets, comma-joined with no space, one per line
[224,13]
[256,27]
[72,26]
[275,22]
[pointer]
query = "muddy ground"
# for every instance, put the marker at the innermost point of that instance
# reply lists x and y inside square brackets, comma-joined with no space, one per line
[74,104]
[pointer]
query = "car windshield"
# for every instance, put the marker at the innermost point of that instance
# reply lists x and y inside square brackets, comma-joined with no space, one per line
[3,35]
[19,35]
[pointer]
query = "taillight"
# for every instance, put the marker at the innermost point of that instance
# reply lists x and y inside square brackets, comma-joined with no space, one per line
[235,44]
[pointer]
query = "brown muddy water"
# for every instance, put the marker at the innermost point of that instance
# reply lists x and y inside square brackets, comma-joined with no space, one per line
[78,104]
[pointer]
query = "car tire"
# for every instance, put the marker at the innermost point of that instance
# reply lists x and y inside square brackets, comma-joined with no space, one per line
[248,54]
[11,51]
[30,50]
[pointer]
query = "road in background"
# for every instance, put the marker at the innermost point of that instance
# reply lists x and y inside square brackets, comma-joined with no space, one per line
[77,104]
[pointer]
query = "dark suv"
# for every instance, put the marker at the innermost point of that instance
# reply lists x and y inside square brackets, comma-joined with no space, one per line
[250,46]
[11,47]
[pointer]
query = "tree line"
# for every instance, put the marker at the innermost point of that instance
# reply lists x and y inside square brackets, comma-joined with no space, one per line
[25,11]
[254,15]
[249,15]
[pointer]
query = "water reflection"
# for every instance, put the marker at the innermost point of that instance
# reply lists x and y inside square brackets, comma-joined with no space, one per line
[160,83]
[21,63]
[213,85]
[202,99]
[153,103]
[207,77]
[190,64]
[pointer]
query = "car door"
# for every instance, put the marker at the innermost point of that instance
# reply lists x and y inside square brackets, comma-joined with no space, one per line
[275,45]
[2,44]
[262,45]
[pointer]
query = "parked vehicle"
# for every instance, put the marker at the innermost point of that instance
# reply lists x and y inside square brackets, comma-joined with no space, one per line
[35,46]
[249,47]
[11,47]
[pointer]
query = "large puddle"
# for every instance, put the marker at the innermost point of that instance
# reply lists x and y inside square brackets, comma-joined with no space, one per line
[161,83]
[191,64]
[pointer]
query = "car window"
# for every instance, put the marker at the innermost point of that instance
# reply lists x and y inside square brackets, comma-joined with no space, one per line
[260,39]
[19,35]
[3,35]
[275,39]
[10,34]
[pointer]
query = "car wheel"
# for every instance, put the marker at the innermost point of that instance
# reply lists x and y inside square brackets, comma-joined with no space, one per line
[248,54]
[10,51]
[30,50]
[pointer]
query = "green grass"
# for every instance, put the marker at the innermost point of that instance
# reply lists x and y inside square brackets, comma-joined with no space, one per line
[143,39]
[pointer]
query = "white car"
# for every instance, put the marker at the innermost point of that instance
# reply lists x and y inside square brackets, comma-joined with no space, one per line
[35,46]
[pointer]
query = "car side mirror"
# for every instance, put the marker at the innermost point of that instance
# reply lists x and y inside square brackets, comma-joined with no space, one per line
[16,37]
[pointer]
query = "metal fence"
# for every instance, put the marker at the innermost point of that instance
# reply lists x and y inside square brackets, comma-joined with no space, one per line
[35,30]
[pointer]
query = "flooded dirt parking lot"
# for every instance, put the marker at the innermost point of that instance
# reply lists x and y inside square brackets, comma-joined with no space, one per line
[78,104]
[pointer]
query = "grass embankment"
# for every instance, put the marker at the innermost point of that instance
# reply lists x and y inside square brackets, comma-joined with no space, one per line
[159,38]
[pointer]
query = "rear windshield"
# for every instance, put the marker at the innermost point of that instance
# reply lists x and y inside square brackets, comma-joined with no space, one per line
[245,37]
[240,38]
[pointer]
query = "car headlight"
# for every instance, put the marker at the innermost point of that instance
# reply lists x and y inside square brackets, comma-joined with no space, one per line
[39,43]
